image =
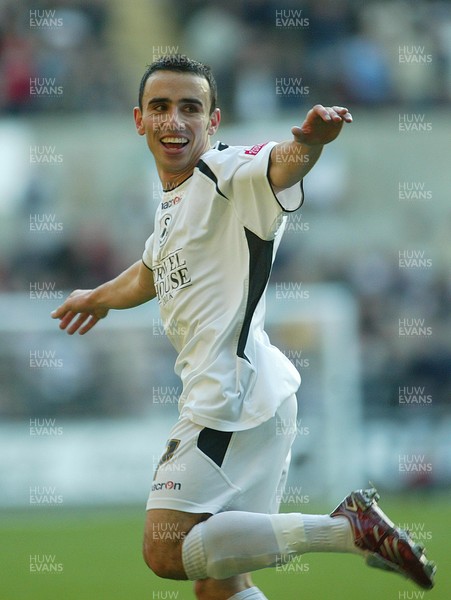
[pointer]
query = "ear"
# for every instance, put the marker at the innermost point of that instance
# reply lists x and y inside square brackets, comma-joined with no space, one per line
[138,120]
[215,119]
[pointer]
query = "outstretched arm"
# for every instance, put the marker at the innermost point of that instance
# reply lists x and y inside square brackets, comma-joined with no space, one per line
[84,308]
[291,161]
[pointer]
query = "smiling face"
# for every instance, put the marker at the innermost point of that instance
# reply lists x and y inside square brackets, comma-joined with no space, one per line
[176,121]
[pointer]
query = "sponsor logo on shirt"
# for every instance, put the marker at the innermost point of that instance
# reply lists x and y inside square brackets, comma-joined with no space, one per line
[170,203]
[255,149]
[170,275]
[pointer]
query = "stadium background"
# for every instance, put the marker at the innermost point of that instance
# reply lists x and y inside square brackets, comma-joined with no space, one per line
[82,420]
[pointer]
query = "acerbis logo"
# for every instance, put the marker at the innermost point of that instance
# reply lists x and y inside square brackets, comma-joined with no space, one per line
[167,485]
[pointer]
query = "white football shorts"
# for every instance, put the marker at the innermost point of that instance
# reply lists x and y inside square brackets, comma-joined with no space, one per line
[209,471]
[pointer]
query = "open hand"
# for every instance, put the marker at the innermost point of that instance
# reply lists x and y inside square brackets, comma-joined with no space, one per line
[322,125]
[79,312]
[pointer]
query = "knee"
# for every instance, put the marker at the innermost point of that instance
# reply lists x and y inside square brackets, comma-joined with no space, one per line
[164,563]
[148,556]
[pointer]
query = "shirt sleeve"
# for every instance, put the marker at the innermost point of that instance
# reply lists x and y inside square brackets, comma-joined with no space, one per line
[245,182]
[147,256]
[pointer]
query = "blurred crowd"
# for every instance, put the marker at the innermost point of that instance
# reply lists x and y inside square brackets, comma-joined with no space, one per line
[354,52]
[271,54]
[404,333]
[48,46]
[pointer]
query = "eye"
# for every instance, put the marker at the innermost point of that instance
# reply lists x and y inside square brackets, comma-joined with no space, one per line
[157,108]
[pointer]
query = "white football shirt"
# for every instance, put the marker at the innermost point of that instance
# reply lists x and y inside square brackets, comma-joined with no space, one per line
[211,254]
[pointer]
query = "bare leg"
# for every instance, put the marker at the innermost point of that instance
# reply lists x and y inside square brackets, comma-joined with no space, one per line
[164,533]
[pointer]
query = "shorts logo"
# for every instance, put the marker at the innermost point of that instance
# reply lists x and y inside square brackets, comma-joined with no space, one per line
[255,149]
[171,447]
[167,485]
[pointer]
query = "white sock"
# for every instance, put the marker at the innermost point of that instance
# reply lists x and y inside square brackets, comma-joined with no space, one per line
[252,593]
[237,542]
[329,534]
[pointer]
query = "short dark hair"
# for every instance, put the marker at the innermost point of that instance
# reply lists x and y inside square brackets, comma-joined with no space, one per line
[180,64]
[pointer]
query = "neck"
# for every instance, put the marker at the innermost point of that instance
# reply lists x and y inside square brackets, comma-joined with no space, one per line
[169,181]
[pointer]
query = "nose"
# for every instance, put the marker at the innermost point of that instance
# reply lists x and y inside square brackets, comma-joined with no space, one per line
[172,120]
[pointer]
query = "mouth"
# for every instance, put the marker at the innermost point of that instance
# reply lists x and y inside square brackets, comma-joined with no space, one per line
[172,142]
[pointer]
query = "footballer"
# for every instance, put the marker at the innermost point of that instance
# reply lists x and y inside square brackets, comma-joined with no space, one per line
[208,261]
